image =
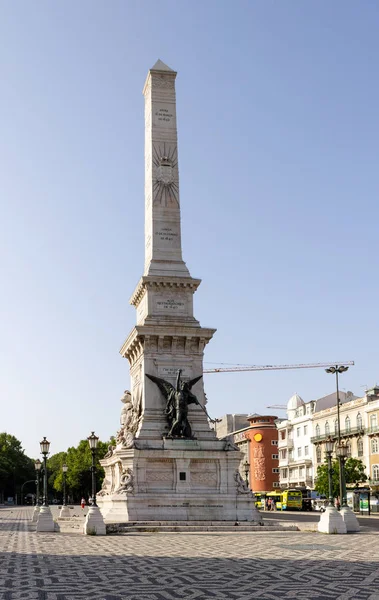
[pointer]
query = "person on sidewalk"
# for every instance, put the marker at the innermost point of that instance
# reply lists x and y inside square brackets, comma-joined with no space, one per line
[83,502]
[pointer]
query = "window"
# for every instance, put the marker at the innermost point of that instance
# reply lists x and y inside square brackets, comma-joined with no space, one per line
[298,432]
[274,442]
[275,484]
[348,446]
[374,446]
[327,428]
[283,434]
[359,421]
[373,421]
[360,447]
[317,430]
[306,450]
[318,454]
[305,429]
[284,473]
[309,471]
[274,456]
[283,454]
[375,472]
[301,472]
[275,470]
[336,427]
[290,454]
[347,424]
[299,452]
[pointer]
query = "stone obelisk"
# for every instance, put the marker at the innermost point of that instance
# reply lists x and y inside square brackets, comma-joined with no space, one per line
[158,470]
[167,336]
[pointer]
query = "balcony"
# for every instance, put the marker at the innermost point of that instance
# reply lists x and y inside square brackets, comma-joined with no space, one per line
[296,462]
[345,433]
[287,443]
[373,429]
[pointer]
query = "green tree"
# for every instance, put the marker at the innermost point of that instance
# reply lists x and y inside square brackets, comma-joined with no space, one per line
[78,477]
[354,474]
[15,467]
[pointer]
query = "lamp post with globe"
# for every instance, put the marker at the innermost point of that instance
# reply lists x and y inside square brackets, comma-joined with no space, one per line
[45,520]
[94,523]
[347,514]
[65,511]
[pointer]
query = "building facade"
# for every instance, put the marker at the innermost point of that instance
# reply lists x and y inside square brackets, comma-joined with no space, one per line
[294,444]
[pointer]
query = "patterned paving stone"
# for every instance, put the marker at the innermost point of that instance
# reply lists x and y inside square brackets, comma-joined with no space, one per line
[230,566]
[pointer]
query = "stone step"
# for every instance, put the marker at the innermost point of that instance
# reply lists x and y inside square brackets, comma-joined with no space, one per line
[193,523]
[128,528]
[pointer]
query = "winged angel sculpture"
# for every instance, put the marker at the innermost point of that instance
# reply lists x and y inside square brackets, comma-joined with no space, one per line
[177,400]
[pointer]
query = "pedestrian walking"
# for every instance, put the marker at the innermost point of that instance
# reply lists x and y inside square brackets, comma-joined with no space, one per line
[83,502]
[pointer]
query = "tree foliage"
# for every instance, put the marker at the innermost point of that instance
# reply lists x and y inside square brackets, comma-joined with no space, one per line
[354,474]
[15,467]
[78,476]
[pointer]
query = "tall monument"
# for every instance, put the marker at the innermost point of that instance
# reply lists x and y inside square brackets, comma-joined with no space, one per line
[167,462]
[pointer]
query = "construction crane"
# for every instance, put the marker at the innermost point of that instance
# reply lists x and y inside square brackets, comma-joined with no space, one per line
[239,369]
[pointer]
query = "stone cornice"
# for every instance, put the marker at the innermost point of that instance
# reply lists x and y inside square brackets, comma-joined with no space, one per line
[153,281]
[134,343]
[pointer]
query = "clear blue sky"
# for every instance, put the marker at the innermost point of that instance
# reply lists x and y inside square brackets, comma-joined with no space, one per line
[278,156]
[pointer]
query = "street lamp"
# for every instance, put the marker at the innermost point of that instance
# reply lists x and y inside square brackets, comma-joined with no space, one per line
[93,441]
[336,370]
[347,514]
[45,447]
[94,523]
[246,468]
[45,520]
[329,445]
[37,466]
[65,511]
[342,456]
[64,470]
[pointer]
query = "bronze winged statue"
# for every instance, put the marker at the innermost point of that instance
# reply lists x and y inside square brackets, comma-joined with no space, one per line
[177,400]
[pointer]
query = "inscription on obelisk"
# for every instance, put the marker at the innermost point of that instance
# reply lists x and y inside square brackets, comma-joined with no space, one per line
[163,254]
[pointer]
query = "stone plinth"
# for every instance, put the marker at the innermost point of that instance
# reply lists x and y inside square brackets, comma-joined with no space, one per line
[45,522]
[331,521]
[179,481]
[94,523]
[349,519]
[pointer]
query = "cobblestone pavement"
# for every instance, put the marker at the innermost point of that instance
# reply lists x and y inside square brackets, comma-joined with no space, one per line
[235,566]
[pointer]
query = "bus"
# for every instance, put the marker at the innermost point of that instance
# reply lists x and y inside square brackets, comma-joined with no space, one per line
[284,499]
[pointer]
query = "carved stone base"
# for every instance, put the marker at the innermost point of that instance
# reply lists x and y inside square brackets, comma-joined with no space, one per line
[179,482]
[94,523]
[36,513]
[350,519]
[65,512]
[331,521]
[45,520]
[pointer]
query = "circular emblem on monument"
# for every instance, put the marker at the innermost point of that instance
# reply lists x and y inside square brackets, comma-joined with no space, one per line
[258,437]
[164,171]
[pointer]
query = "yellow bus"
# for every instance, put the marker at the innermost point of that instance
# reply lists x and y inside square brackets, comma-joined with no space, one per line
[284,499]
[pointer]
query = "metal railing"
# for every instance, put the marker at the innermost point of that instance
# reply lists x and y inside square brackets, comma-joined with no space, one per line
[344,433]
[373,429]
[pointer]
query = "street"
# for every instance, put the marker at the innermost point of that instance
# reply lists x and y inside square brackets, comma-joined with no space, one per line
[208,566]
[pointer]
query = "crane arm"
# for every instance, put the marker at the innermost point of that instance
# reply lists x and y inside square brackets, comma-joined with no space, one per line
[277,367]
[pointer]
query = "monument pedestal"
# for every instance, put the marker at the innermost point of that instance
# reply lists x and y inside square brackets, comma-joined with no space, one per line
[179,482]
